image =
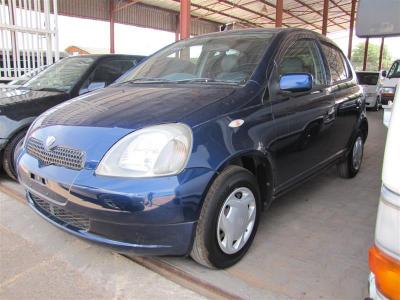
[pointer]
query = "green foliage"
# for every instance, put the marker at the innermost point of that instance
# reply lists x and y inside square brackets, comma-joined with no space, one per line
[357,57]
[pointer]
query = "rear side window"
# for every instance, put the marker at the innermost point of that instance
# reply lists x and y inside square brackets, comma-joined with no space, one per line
[337,65]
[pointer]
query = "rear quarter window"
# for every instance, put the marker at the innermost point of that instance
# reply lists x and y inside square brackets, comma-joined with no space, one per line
[337,64]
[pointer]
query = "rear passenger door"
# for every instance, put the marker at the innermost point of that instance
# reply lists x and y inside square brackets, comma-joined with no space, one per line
[348,97]
[302,120]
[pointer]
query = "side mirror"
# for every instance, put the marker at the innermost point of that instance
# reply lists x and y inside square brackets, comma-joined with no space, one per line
[296,82]
[384,73]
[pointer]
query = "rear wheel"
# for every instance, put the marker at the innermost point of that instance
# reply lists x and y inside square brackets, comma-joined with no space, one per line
[11,152]
[352,164]
[228,219]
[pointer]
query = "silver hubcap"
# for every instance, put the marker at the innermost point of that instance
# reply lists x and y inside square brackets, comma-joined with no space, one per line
[357,153]
[236,220]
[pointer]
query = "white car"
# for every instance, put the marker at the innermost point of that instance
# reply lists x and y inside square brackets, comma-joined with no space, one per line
[391,80]
[370,82]
[384,256]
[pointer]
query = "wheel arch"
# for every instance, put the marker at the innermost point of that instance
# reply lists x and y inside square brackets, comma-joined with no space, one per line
[261,166]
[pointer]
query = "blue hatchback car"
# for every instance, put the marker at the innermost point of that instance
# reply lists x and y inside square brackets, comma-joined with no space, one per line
[182,155]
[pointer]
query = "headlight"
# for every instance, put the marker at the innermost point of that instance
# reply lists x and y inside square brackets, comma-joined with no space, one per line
[388,90]
[153,151]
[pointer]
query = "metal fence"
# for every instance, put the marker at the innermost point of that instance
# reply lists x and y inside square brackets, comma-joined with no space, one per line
[28,36]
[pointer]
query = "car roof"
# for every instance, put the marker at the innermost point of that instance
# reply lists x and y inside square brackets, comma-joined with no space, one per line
[276,31]
[101,56]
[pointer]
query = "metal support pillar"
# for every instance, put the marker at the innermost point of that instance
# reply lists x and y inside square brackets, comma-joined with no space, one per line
[365,54]
[279,13]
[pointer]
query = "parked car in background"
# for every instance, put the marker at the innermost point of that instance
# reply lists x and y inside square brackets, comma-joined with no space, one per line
[63,80]
[384,256]
[24,78]
[370,82]
[392,79]
[182,155]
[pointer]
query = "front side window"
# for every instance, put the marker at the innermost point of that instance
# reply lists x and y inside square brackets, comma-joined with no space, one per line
[394,71]
[105,73]
[337,65]
[219,58]
[303,57]
[62,76]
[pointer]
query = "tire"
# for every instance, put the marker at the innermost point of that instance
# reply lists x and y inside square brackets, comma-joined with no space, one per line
[207,250]
[376,107]
[352,164]
[9,154]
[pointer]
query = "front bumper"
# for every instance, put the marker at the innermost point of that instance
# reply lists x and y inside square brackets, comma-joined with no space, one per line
[373,291]
[370,101]
[386,98]
[152,216]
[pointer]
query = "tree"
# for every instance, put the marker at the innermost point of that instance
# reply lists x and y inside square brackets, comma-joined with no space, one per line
[357,57]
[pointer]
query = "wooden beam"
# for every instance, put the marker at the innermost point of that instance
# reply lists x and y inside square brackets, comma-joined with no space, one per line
[279,13]
[381,54]
[118,8]
[184,19]
[290,14]
[351,30]
[111,12]
[365,54]
[325,17]
[316,11]
[223,14]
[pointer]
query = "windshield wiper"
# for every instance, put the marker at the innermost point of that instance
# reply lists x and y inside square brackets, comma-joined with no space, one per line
[147,80]
[48,89]
[207,80]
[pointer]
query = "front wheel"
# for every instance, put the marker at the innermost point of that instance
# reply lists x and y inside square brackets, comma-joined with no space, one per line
[352,164]
[11,152]
[228,219]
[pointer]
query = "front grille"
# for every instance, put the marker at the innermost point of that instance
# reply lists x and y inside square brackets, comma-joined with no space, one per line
[59,156]
[59,214]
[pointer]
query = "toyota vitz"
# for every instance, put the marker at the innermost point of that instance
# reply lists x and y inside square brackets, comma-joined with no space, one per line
[182,155]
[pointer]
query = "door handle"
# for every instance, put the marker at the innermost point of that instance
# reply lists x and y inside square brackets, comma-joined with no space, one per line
[330,115]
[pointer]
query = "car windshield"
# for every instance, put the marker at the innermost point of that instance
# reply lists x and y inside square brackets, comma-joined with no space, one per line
[61,76]
[368,78]
[213,59]
[394,71]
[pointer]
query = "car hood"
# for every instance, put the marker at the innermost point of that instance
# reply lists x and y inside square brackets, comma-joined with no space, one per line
[133,107]
[12,96]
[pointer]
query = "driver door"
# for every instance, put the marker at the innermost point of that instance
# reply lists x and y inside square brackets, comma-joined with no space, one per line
[303,120]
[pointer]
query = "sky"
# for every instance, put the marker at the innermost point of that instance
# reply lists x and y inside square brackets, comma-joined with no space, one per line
[144,41]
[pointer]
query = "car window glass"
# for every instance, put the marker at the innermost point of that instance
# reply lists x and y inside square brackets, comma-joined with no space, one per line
[394,71]
[367,78]
[105,73]
[303,57]
[230,59]
[337,66]
[62,75]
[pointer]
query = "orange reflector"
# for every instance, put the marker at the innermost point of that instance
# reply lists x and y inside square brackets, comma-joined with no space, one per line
[387,273]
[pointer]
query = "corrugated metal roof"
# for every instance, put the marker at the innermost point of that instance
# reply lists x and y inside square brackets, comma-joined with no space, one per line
[261,13]
[207,15]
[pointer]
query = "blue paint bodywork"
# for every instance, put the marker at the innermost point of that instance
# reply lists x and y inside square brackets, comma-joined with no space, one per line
[157,216]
